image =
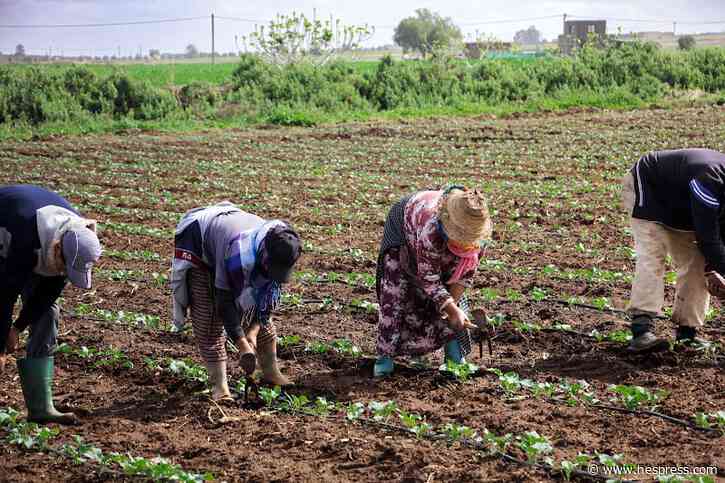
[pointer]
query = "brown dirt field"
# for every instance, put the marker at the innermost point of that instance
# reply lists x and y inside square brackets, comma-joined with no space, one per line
[553,184]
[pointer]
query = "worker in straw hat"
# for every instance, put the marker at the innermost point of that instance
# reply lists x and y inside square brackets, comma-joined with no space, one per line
[228,269]
[429,253]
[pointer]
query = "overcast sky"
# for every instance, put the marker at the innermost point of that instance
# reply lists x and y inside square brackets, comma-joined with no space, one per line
[471,15]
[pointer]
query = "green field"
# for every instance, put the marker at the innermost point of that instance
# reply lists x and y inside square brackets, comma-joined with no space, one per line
[63,99]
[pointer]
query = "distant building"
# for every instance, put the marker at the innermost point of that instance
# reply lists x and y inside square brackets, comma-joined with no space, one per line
[577,33]
[474,50]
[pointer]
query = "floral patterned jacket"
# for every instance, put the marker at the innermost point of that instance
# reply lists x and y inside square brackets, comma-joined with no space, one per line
[429,262]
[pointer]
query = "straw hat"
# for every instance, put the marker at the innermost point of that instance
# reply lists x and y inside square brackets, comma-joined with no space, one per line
[465,217]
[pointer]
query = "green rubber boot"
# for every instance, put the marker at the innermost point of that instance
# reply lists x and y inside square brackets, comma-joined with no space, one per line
[36,377]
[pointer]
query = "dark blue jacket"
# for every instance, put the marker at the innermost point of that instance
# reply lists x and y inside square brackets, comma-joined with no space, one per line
[19,245]
[684,189]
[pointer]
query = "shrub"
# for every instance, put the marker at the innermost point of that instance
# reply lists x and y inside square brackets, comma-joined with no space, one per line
[686,42]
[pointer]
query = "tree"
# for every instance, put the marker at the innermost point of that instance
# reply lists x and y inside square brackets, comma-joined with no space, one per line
[154,54]
[530,36]
[290,39]
[20,50]
[192,51]
[686,42]
[426,32]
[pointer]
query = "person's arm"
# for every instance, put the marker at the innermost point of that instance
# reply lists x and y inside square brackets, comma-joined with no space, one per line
[8,297]
[706,207]
[44,295]
[429,276]
[227,310]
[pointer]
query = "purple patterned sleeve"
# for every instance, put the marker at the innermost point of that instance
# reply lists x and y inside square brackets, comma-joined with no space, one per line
[428,257]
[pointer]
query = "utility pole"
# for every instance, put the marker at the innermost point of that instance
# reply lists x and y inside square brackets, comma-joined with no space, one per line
[212,38]
[674,30]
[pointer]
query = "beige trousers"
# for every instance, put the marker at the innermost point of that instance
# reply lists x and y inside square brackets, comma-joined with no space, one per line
[652,242]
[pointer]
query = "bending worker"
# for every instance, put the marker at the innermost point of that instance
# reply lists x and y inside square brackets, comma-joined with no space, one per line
[429,253]
[228,269]
[43,243]
[675,199]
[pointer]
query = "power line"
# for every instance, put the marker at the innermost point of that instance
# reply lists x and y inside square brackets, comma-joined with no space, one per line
[653,21]
[237,19]
[111,24]
[492,22]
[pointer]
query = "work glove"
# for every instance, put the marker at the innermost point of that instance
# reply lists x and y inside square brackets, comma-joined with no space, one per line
[715,284]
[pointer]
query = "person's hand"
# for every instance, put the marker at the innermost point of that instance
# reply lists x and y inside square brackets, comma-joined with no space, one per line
[3,361]
[12,341]
[457,319]
[715,284]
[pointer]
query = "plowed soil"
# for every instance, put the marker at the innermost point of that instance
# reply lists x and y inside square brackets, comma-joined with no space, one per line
[553,182]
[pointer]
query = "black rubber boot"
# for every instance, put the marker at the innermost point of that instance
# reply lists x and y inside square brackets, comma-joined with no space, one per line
[643,339]
[688,335]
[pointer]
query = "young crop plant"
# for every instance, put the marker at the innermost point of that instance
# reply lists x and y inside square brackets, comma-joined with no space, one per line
[354,411]
[535,446]
[295,403]
[317,347]
[102,357]
[525,327]
[714,420]
[24,434]
[461,372]
[635,397]
[288,340]
[188,370]
[457,432]
[269,395]
[346,347]
[155,469]
[568,467]
[538,294]
[382,411]
[323,407]
[415,423]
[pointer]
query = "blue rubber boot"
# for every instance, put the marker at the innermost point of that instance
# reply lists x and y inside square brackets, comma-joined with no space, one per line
[453,352]
[383,366]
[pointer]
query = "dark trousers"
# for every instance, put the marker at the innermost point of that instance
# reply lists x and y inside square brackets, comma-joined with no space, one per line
[43,331]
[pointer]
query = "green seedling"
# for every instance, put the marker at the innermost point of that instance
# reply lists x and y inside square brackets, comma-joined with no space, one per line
[634,397]
[496,444]
[714,420]
[323,407]
[269,395]
[382,411]
[317,347]
[600,303]
[456,432]
[534,446]
[188,370]
[346,347]
[354,411]
[568,467]
[619,336]
[288,340]
[525,327]
[538,294]
[296,403]
[461,372]
[489,294]
[416,424]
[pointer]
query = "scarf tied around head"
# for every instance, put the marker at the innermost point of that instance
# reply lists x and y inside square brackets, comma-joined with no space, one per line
[255,295]
[468,260]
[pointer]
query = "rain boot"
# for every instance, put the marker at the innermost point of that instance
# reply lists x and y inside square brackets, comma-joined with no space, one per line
[453,352]
[688,336]
[218,379]
[36,378]
[267,354]
[383,366]
[643,339]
